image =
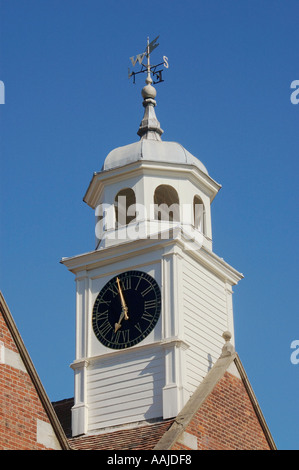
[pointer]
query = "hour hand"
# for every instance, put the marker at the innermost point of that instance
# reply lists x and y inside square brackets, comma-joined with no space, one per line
[117,326]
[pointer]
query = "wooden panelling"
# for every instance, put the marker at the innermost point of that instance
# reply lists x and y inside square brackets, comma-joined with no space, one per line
[205,319]
[125,391]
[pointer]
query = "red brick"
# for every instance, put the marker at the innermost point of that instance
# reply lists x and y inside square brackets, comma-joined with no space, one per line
[19,403]
[227,420]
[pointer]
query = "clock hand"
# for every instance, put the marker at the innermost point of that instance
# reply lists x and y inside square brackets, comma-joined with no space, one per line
[117,326]
[123,303]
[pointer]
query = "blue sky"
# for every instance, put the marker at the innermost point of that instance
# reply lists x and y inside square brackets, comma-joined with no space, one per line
[226,99]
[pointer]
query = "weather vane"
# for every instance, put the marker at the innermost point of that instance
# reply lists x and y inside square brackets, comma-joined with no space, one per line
[150,69]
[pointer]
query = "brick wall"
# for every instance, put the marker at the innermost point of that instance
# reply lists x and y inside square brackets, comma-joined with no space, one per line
[21,411]
[225,421]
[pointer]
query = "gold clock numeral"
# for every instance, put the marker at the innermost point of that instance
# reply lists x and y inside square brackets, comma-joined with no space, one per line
[126,283]
[125,336]
[106,302]
[100,316]
[115,336]
[137,285]
[105,328]
[149,304]
[138,327]
[147,316]
[114,290]
[146,291]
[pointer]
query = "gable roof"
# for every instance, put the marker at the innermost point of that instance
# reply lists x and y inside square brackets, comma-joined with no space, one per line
[228,363]
[30,369]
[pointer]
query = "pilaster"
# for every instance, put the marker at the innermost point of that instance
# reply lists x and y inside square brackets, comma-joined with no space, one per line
[82,305]
[80,408]
[175,394]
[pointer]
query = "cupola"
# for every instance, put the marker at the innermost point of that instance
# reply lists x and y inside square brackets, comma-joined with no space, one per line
[137,177]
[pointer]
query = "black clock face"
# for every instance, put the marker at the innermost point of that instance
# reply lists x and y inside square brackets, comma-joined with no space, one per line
[126,310]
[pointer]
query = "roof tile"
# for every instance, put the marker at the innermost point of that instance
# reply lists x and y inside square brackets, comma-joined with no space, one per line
[138,438]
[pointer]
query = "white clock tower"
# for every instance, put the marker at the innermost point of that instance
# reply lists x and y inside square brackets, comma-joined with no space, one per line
[152,201]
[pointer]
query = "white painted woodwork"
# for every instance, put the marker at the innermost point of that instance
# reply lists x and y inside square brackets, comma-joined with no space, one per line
[155,378]
[125,388]
[205,319]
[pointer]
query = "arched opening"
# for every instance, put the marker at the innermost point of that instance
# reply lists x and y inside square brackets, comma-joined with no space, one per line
[166,203]
[125,207]
[199,214]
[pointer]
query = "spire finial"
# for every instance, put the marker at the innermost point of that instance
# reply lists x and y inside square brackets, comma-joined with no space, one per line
[150,126]
[228,348]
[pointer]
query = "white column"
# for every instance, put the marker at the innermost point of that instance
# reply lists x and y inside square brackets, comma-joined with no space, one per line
[82,298]
[172,299]
[80,408]
[174,392]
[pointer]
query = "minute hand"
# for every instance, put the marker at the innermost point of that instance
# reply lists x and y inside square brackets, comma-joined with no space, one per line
[123,303]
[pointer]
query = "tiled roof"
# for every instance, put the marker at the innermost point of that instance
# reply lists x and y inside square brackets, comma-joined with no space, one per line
[142,437]
[137,438]
[63,411]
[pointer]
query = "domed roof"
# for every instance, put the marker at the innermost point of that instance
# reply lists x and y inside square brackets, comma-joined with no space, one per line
[154,151]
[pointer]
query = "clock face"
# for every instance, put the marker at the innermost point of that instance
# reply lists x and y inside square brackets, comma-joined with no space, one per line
[126,310]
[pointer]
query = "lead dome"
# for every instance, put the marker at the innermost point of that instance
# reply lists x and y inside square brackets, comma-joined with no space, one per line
[153,151]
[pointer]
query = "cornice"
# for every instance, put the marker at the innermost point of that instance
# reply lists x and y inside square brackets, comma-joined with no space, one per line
[125,250]
[217,265]
[100,179]
[173,342]
[120,252]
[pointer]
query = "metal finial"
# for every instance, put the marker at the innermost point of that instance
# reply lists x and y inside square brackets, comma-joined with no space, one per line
[150,126]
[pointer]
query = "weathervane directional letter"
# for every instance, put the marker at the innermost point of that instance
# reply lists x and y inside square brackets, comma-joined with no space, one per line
[139,57]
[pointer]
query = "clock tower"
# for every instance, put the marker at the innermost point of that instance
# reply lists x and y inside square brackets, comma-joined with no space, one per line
[152,298]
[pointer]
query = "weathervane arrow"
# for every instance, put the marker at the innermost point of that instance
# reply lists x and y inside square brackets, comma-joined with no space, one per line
[152,45]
